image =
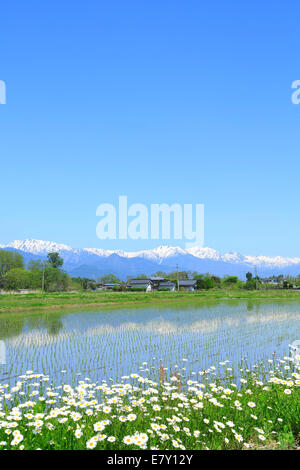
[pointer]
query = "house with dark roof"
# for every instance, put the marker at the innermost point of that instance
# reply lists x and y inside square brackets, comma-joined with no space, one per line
[108,286]
[270,281]
[188,285]
[167,285]
[140,284]
[159,284]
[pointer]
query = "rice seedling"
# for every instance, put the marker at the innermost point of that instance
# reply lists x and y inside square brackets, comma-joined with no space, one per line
[111,343]
[86,395]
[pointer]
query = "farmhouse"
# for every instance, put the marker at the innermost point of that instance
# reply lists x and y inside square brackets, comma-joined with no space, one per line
[108,285]
[156,281]
[140,284]
[151,284]
[168,285]
[271,281]
[189,285]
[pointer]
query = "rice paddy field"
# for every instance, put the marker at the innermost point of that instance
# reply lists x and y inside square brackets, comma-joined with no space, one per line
[215,376]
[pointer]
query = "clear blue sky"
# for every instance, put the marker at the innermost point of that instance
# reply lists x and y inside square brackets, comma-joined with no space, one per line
[163,101]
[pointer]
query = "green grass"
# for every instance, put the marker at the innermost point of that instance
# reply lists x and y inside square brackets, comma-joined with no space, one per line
[157,409]
[15,302]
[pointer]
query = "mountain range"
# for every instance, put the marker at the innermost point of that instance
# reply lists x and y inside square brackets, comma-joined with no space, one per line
[95,262]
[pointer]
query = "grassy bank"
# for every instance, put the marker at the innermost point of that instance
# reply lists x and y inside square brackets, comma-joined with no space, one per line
[48,301]
[157,409]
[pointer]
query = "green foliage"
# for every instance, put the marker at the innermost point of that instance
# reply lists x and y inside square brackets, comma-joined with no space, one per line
[249,276]
[286,439]
[253,283]
[230,281]
[219,412]
[18,278]
[204,282]
[54,260]
[250,284]
[217,280]
[38,265]
[56,280]
[83,283]
[160,274]
[110,279]
[181,275]
[9,260]
[47,300]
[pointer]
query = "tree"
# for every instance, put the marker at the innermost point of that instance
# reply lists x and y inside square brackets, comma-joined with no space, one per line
[38,265]
[83,282]
[109,279]
[9,260]
[17,278]
[250,284]
[56,280]
[249,276]
[20,278]
[160,274]
[181,275]
[204,282]
[54,260]
[217,280]
[230,281]
[38,269]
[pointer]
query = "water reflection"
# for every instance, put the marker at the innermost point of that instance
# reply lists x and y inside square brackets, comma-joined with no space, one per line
[117,341]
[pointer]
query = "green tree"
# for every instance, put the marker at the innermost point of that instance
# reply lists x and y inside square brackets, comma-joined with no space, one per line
[37,265]
[160,274]
[9,260]
[109,279]
[249,276]
[204,282]
[181,275]
[18,278]
[217,280]
[56,280]
[250,284]
[230,281]
[83,283]
[54,260]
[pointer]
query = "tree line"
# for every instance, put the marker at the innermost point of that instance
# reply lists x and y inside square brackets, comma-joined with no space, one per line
[42,274]
[208,281]
[48,275]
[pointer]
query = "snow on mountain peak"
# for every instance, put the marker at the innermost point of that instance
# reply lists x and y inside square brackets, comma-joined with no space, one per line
[277,261]
[158,255]
[38,246]
[168,251]
[204,252]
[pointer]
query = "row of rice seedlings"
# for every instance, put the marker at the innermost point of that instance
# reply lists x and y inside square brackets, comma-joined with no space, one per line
[91,343]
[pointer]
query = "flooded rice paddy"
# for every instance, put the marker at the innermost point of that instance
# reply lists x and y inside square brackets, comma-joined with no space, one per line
[111,343]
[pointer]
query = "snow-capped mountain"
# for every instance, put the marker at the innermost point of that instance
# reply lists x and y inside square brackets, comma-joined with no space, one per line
[94,262]
[38,247]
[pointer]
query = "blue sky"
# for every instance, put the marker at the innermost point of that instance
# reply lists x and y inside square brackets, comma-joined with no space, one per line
[164,102]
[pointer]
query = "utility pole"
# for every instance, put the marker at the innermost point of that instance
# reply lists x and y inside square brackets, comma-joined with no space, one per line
[43,276]
[43,279]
